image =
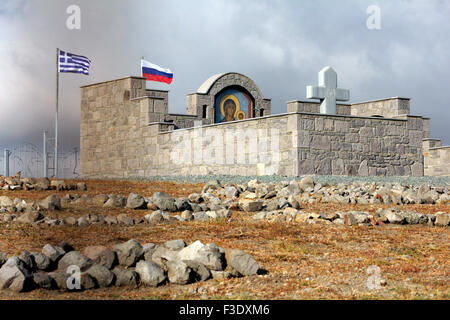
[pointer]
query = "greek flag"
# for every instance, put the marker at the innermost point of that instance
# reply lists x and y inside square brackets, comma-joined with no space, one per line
[69,62]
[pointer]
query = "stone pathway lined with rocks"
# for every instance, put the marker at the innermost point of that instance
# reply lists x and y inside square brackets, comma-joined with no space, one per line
[125,264]
[274,202]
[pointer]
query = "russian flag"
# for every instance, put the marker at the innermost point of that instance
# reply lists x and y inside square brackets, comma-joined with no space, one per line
[152,72]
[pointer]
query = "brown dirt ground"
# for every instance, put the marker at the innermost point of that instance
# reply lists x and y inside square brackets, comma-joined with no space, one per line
[303,261]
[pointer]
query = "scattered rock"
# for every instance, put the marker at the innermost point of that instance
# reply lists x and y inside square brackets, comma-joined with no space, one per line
[442,219]
[125,278]
[210,255]
[242,262]
[125,219]
[30,216]
[52,202]
[177,244]
[128,253]
[54,253]
[103,277]
[150,273]
[14,275]
[179,272]
[44,281]
[41,261]
[163,201]
[74,258]
[136,201]
[102,256]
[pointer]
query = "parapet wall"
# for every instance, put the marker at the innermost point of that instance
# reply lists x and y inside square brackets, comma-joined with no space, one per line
[126,131]
[436,158]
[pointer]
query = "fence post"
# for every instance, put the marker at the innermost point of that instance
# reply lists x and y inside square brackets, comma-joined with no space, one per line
[6,154]
[44,155]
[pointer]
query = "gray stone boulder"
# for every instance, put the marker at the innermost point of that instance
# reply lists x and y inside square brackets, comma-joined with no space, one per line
[177,244]
[162,254]
[110,220]
[44,281]
[210,255]
[103,277]
[27,260]
[52,202]
[150,273]
[81,186]
[6,202]
[410,197]
[195,198]
[74,258]
[41,261]
[182,204]
[242,262]
[87,281]
[128,253]
[60,279]
[125,219]
[442,219]
[201,272]
[100,199]
[231,192]
[154,217]
[149,249]
[42,184]
[412,217]
[211,185]
[251,206]
[136,201]
[83,222]
[431,197]
[14,275]
[201,217]
[115,201]
[179,272]
[125,278]
[187,215]
[30,216]
[306,184]
[393,217]
[101,255]
[163,201]
[53,252]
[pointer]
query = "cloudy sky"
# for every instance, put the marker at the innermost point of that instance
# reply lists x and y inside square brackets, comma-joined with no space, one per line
[280,44]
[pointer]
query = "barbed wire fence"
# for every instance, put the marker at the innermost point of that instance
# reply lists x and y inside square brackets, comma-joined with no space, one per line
[28,159]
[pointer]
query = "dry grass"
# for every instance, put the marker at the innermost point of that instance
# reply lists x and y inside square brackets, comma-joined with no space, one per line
[303,261]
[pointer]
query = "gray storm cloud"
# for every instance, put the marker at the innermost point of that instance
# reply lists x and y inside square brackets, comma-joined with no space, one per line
[281,45]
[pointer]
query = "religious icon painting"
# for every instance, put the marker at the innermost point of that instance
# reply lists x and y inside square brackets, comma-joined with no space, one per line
[233,104]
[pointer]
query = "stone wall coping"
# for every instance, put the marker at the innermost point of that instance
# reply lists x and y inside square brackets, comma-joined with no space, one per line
[383,99]
[147,97]
[315,102]
[158,123]
[437,148]
[102,82]
[283,115]
[411,116]
[431,139]
[183,115]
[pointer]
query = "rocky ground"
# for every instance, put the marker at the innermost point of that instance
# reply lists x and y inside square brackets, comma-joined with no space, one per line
[310,239]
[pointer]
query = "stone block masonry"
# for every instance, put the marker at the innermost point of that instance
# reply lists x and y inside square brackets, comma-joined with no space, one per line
[127,131]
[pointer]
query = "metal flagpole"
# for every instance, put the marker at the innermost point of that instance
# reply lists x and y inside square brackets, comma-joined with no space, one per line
[56,114]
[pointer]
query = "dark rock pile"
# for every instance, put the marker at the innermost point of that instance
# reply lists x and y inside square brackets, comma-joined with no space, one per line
[125,264]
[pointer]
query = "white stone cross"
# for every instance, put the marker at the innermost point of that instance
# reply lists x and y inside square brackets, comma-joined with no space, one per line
[327,91]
